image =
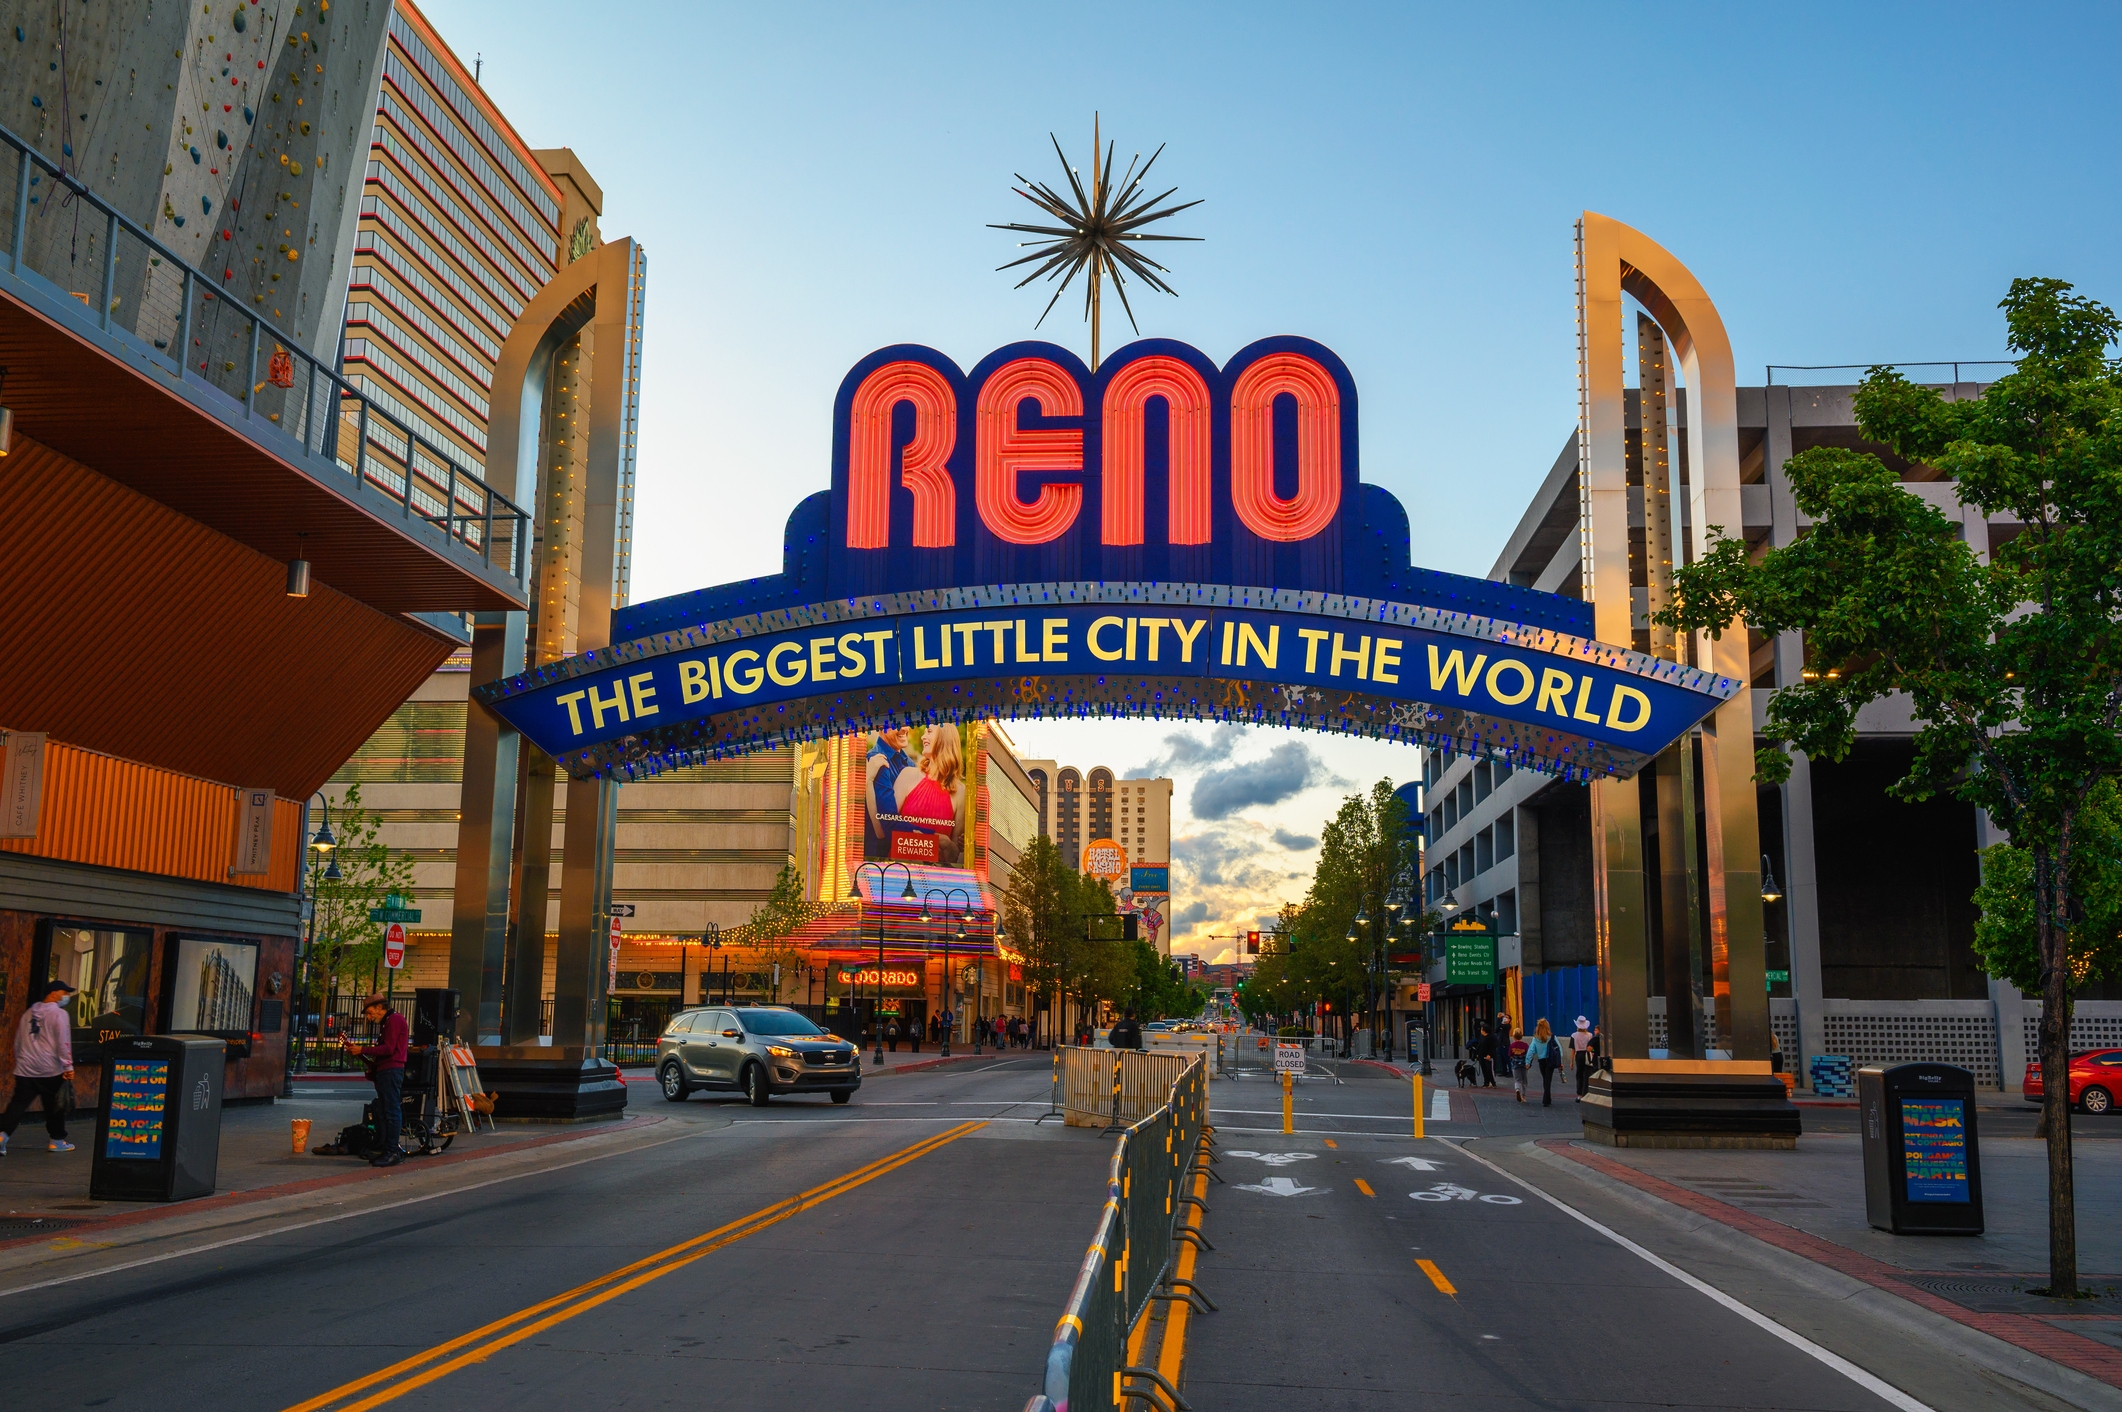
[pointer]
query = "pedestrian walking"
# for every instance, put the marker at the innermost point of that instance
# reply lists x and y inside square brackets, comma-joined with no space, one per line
[935,1030]
[1547,1052]
[385,1062]
[1127,1032]
[1484,1047]
[1517,1050]
[913,1035]
[891,1035]
[44,1066]
[1580,1044]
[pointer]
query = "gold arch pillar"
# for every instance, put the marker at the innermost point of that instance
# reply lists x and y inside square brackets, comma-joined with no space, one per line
[1612,260]
[560,434]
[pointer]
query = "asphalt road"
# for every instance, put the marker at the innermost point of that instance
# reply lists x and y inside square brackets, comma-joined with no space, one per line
[931,1284]
[913,1250]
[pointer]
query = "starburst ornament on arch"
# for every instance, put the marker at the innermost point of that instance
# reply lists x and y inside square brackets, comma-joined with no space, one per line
[1099,228]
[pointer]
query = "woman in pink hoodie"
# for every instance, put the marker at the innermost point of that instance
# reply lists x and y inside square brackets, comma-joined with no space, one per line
[44,1065]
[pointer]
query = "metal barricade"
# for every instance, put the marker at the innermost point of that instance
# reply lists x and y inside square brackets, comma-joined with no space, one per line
[1128,1265]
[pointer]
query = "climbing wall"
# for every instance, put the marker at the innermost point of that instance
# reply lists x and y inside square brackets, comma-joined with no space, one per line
[234,132]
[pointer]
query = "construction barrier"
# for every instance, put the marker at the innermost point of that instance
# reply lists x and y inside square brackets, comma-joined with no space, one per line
[1087,1078]
[1128,1265]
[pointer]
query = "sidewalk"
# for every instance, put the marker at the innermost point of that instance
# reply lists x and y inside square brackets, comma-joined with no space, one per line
[44,1193]
[1810,1202]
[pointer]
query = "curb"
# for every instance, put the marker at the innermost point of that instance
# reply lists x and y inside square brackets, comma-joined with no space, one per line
[2032,1332]
[161,1211]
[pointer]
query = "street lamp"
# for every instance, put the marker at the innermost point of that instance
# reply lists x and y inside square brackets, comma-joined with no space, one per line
[876,1017]
[948,978]
[321,846]
[711,939]
[1769,891]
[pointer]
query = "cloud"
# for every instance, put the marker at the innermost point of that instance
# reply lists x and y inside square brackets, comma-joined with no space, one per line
[1295,842]
[1183,750]
[1288,769]
[1191,913]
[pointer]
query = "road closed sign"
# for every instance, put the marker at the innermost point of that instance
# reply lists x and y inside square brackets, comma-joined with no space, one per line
[1289,1058]
[394,945]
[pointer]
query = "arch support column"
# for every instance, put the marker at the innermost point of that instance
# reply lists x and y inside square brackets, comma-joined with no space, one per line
[1717,1093]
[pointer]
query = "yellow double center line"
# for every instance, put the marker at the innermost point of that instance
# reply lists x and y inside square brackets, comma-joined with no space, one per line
[483,1342]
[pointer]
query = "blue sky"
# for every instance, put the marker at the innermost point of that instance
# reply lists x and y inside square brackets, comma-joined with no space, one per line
[1850,183]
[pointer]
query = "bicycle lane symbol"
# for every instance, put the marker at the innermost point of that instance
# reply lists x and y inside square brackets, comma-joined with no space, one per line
[1452,1191]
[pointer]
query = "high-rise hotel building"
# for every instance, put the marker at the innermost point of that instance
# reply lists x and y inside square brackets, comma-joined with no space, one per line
[460,225]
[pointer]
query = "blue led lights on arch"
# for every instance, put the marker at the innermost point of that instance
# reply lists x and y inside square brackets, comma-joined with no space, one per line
[1163,538]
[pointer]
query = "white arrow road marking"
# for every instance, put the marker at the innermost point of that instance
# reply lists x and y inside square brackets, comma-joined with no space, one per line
[1278,1186]
[1419,1164]
[1276,1159]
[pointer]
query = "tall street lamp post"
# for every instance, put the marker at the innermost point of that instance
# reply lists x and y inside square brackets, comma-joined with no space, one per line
[949,980]
[321,843]
[1397,901]
[711,940]
[876,1017]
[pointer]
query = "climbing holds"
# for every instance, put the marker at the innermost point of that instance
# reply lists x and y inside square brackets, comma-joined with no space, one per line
[195,156]
[35,101]
[247,117]
[240,21]
[295,168]
[220,139]
[206,207]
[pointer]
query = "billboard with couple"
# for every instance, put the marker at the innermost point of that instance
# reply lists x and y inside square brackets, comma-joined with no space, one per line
[916,795]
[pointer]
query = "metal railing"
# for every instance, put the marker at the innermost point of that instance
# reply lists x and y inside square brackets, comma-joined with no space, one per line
[76,248]
[325,1039]
[1128,1266]
[1954,364]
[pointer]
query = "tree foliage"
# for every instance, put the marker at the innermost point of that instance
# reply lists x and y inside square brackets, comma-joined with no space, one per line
[1053,915]
[2012,666]
[1318,951]
[348,952]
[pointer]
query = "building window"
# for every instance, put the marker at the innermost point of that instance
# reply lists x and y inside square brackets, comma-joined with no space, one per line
[1451,809]
[1466,797]
[1466,862]
[1481,781]
[1451,872]
[1507,913]
[108,969]
[1506,836]
[1484,851]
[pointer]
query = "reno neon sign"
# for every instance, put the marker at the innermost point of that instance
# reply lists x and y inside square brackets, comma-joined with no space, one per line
[1164,537]
[1160,465]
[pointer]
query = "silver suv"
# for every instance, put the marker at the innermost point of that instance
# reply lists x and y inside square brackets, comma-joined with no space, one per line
[757,1050]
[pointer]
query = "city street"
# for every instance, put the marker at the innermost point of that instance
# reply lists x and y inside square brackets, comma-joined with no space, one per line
[914,1249]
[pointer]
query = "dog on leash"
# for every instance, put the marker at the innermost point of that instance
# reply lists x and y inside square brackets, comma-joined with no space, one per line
[1467,1074]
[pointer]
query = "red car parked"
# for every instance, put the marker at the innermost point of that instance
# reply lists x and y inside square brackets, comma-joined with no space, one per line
[2095,1080]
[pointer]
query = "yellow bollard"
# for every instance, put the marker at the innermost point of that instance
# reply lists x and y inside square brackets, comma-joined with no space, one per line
[1288,1113]
[1418,1103]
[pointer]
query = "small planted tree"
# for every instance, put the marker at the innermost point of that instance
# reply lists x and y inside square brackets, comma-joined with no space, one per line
[2011,663]
[349,946]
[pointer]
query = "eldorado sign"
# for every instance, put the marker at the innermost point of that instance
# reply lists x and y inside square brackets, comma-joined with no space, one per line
[1161,538]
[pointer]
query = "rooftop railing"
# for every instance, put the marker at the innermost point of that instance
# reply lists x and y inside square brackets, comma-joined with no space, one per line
[101,274]
[1995,366]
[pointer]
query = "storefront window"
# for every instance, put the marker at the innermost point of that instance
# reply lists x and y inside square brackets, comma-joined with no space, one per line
[109,971]
[210,987]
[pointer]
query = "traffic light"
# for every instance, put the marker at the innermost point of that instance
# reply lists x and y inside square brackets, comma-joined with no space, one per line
[1132,930]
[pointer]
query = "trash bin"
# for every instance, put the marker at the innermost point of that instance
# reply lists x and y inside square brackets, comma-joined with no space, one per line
[158,1137]
[1922,1163]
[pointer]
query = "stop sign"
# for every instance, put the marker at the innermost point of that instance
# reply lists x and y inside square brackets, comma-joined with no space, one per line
[394,945]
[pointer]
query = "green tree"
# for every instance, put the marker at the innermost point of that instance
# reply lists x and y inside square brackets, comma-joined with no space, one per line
[772,922]
[1338,934]
[349,947]
[2005,935]
[2012,667]
[1046,907]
